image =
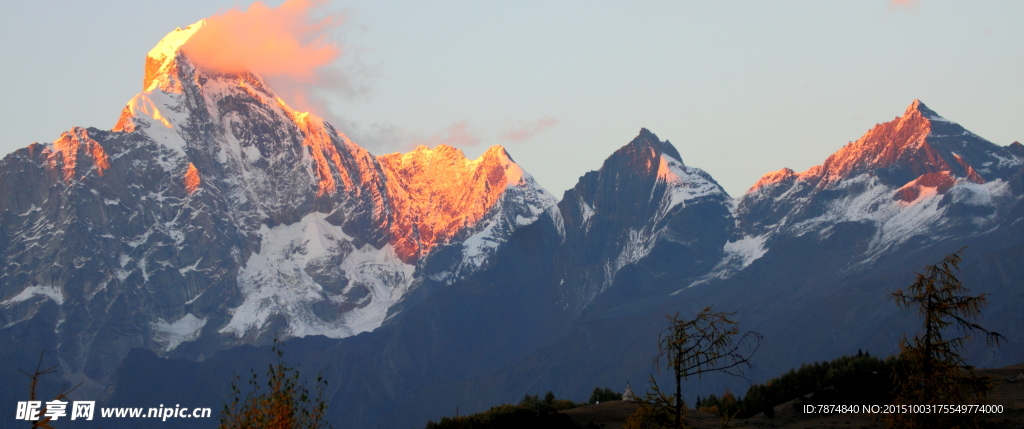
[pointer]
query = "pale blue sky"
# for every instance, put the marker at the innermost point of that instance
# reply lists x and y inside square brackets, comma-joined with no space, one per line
[740,87]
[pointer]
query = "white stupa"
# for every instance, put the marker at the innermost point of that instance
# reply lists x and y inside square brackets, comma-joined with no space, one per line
[628,395]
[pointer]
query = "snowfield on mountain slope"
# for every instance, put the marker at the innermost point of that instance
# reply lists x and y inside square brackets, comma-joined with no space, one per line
[899,220]
[278,281]
[847,188]
[896,221]
[685,183]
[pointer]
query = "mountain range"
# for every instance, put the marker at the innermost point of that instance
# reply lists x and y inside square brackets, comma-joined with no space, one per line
[213,218]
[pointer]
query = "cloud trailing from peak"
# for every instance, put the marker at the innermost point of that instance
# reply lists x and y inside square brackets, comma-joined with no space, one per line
[286,41]
[293,46]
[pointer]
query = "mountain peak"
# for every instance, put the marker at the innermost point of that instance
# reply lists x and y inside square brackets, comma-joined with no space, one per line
[918,143]
[649,139]
[443,193]
[919,109]
[651,170]
[168,46]
[901,143]
[161,59]
[1016,148]
[772,178]
[915,106]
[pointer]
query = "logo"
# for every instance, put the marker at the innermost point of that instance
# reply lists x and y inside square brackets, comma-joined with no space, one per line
[54,410]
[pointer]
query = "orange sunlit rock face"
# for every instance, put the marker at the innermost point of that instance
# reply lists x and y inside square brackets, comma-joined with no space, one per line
[971,174]
[882,147]
[70,146]
[125,124]
[772,178]
[423,198]
[438,192]
[939,181]
[904,139]
[192,178]
[322,149]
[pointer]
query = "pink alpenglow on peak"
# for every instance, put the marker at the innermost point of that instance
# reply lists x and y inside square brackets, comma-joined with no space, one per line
[907,143]
[772,178]
[883,146]
[73,145]
[441,192]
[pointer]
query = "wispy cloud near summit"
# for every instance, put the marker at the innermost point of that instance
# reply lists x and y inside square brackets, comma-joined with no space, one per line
[286,41]
[457,135]
[293,46]
[526,131]
[904,4]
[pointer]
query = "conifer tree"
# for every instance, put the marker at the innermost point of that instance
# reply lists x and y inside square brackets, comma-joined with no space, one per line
[603,395]
[931,370]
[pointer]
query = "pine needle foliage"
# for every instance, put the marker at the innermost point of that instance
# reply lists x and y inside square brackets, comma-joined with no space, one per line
[281,402]
[606,394]
[931,370]
[531,412]
[858,379]
[651,415]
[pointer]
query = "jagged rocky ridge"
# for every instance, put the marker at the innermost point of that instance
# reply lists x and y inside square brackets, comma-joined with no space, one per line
[615,216]
[919,179]
[577,298]
[213,215]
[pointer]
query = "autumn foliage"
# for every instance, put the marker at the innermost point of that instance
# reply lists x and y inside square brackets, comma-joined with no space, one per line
[282,402]
[931,370]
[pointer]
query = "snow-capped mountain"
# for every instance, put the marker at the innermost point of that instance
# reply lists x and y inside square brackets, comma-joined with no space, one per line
[578,298]
[569,296]
[642,195]
[214,214]
[917,179]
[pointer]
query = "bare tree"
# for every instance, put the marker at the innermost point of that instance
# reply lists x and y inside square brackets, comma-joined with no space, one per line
[931,370]
[44,420]
[710,342]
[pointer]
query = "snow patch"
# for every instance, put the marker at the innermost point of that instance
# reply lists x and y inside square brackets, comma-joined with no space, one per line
[275,281]
[193,267]
[55,293]
[746,250]
[557,219]
[170,335]
[587,212]
[739,255]
[638,244]
[684,183]
[867,200]
[387,278]
[478,247]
